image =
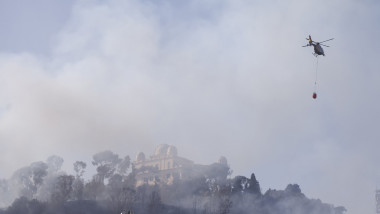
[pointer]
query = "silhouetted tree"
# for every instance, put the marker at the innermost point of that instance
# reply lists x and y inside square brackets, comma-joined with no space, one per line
[218,172]
[79,168]
[78,184]
[28,179]
[124,165]
[254,186]
[62,189]
[239,184]
[293,189]
[94,189]
[112,188]
[106,163]
[78,189]
[121,195]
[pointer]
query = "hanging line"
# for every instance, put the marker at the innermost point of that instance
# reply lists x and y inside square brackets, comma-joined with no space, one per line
[316,76]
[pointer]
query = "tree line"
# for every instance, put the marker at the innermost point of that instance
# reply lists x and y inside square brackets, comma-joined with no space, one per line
[43,188]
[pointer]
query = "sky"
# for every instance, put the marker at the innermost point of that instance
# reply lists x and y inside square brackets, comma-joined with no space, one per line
[213,78]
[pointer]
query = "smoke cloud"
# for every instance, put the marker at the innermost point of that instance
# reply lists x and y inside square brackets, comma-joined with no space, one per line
[213,78]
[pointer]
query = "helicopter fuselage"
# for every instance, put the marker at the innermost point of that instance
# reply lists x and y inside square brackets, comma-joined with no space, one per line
[318,49]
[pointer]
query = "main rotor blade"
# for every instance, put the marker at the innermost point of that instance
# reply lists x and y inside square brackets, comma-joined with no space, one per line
[305,45]
[327,40]
[325,45]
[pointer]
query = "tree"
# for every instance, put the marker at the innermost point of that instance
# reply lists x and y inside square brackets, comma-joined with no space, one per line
[120,193]
[78,184]
[94,189]
[254,186]
[78,188]
[239,184]
[79,168]
[218,171]
[27,180]
[124,165]
[62,189]
[293,189]
[105,163]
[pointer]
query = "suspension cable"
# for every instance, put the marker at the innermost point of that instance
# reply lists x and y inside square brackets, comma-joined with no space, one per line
[316,76]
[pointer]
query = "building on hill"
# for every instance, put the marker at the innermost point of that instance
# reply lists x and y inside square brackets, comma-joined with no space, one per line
[165,166]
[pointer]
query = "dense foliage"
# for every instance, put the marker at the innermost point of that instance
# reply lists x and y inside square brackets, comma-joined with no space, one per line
[42,188]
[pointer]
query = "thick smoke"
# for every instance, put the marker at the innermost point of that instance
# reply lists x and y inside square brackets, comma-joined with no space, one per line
[43,188]
[227,76]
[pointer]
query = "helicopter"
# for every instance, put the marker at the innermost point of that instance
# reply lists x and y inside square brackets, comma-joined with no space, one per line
[317,46]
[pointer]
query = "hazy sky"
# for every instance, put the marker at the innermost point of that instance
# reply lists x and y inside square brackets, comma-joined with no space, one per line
[215,77]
